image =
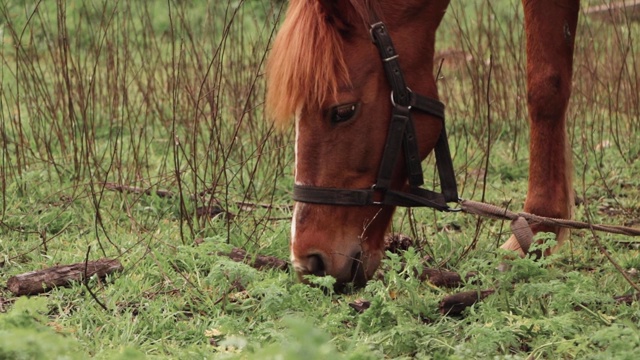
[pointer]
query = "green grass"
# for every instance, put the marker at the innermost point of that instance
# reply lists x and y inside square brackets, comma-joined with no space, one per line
[165,99]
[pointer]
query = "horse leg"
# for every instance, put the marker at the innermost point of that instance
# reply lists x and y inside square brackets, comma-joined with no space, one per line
[550,30]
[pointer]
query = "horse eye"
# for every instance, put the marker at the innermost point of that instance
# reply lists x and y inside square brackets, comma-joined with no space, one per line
[342,113]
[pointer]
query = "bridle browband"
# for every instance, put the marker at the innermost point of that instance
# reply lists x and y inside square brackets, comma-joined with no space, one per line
[401,135]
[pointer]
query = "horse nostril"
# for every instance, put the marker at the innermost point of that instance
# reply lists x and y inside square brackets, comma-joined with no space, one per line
[316,266]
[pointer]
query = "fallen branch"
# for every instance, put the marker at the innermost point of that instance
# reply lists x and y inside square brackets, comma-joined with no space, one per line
[163,193]
[360,305]
[444,278]
[456,303]
[213,211]
[248,206]
[627,299]
[136,190]
[397,243]
[36,282]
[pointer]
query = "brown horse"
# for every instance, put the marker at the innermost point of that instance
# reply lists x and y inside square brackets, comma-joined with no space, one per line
[327,74]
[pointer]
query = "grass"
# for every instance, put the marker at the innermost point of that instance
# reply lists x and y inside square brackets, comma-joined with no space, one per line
[168,96]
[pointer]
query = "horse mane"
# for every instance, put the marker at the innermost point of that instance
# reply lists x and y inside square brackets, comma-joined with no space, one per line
[306,64]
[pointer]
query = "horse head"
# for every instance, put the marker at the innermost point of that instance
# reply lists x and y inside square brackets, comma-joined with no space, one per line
[326,74]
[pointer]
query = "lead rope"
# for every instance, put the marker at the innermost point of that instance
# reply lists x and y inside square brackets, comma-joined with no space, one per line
[521,221]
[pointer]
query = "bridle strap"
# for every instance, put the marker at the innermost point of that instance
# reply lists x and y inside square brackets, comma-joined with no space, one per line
[401,130]
[404,100]
[444,163]
[401,135]
[416,197]
[427,105]
[333,196]
[396,139]
[389,56]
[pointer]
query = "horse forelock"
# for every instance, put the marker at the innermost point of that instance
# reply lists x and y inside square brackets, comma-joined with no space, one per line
[306,64]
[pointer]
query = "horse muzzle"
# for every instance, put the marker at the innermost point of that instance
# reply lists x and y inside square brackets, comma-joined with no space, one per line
[355,268]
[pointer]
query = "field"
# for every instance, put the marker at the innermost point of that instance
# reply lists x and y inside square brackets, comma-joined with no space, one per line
[135,131]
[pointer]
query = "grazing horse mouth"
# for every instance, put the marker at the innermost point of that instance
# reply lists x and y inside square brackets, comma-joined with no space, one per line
[358,275]
[355,278]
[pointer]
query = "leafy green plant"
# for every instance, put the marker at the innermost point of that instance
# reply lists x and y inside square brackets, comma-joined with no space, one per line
[24,334]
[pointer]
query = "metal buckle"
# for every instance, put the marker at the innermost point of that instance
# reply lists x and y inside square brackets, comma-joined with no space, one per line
[393,102]
[375,188]
[372,27]
[455,210]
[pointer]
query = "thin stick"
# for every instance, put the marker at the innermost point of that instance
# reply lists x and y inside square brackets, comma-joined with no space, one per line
[86,281]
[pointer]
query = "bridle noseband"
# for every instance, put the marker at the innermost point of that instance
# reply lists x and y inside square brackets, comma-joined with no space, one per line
[401,135]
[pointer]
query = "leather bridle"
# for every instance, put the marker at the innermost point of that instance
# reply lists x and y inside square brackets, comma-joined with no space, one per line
[401,135]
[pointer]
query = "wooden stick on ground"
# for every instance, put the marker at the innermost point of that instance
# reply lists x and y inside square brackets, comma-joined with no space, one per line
[444,278]
[456,303]
[36,282]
